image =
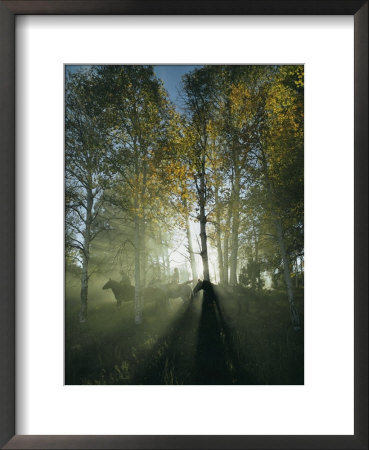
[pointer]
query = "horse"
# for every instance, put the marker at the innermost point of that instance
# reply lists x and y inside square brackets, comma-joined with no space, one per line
[182,291]
[211,296]
[204,285]
[160,293]
[173,290]
[122,292]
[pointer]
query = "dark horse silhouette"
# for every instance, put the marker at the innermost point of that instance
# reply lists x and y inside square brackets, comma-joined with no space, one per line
[160,293]
[122,292]
[207,286]
[174,290]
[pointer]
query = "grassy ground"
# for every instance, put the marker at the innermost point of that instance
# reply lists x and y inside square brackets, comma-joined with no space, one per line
[241,338]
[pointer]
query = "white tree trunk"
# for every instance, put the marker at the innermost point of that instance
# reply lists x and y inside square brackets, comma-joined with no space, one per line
[142,259]
[235,227]
[167,262]
[86,257]
[219,237]
[226,247]
[297,274]
[190,250]
[138,309]
[84,291]
[163,272]
[137,242]
[203,220]
[295,319]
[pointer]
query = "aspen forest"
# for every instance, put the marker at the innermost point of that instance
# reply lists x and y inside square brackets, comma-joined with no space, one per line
[184,225]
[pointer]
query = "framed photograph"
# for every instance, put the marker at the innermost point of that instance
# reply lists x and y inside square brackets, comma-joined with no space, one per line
[184,193]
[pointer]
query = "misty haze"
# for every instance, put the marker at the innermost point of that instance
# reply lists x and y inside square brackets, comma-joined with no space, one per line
[184,224]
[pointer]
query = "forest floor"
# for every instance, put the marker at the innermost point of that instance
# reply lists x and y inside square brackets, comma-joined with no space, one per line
[243,337]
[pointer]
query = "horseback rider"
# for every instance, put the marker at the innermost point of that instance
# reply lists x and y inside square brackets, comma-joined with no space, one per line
[125,278]
[175,276]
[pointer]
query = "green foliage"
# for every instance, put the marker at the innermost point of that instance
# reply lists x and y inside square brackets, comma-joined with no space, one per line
[233,159]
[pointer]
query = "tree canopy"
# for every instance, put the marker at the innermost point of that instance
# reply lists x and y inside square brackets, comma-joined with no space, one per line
[215,188]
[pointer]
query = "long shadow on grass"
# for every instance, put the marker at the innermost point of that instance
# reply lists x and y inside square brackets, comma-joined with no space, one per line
[217,357]
[170,360]
[198,348]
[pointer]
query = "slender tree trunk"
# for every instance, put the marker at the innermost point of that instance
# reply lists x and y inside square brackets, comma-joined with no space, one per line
[156,271]
[138,311]
[190,250]
[257,268]
[143,251]
[293,311]
[86,257]
[137,242]
[226,246]
[84,290]
[143,229]
[296,273]
[167,262]
[295,319]
[161,255]
[164,256]
[203,220]
[220,258]
[203,240]
[219,237]
[164,266]
[143,258]
[302,272]
[235,226]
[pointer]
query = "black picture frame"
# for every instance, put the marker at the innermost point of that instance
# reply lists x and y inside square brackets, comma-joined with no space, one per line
[8,12]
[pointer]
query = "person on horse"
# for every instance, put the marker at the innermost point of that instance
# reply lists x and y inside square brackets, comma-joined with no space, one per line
[124,278]
[175,277]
